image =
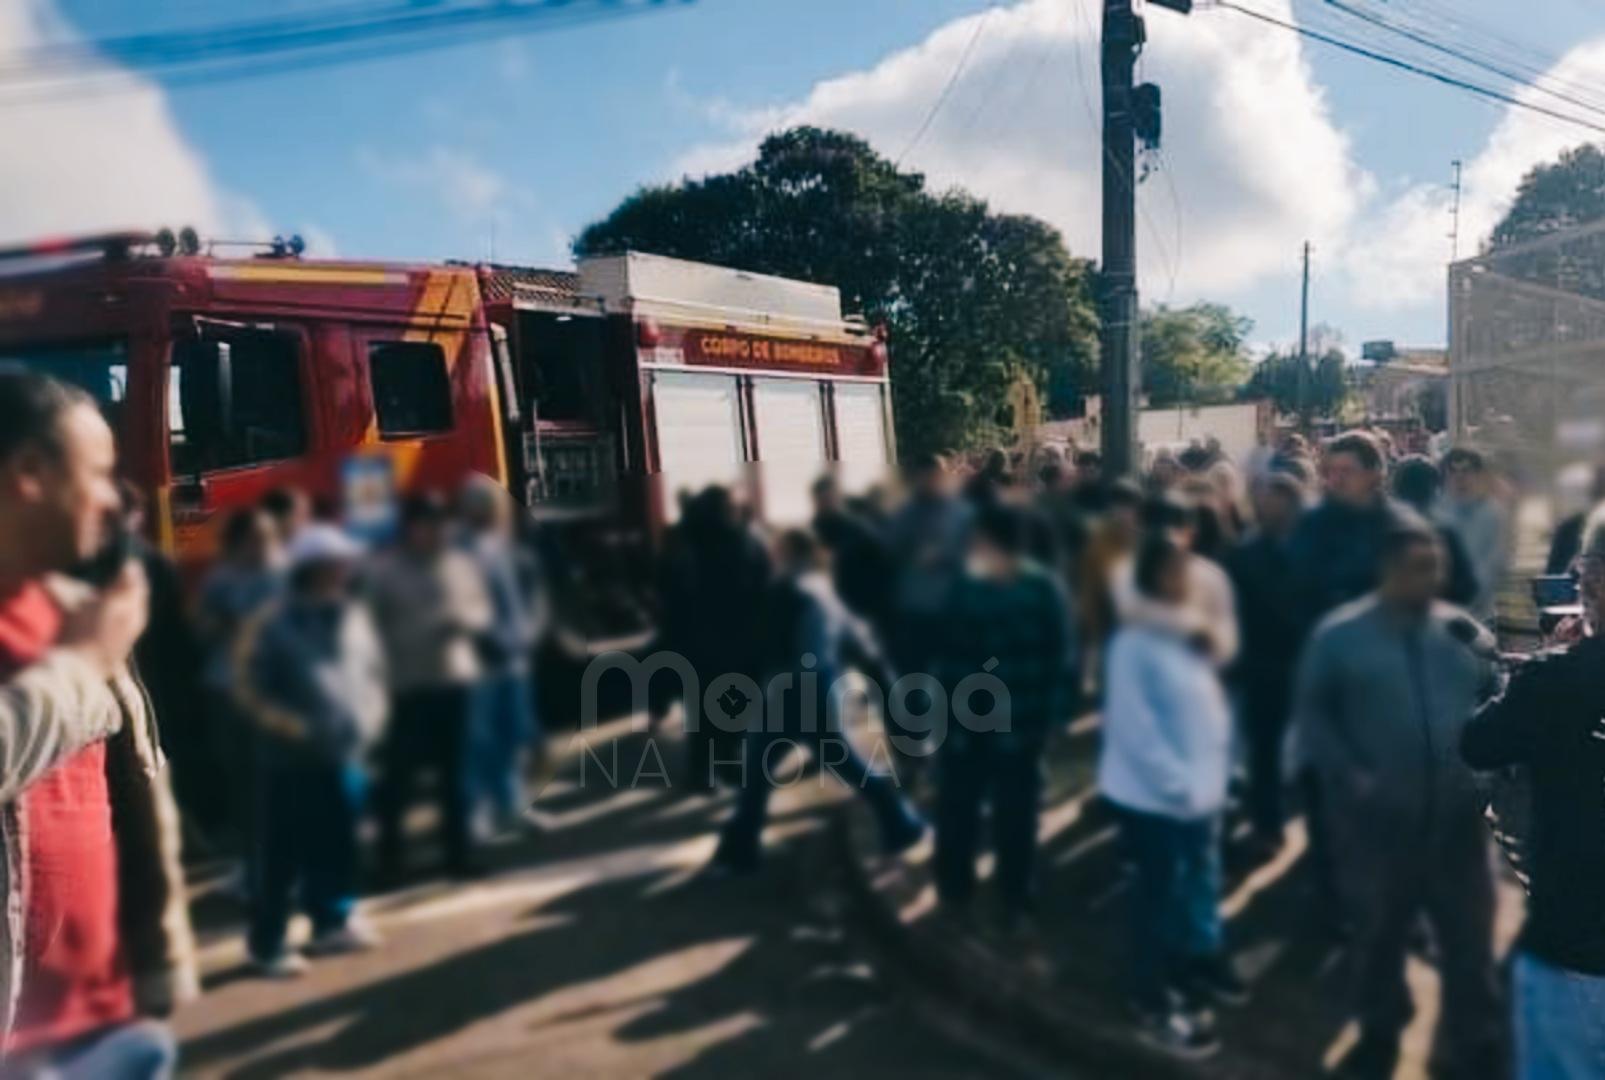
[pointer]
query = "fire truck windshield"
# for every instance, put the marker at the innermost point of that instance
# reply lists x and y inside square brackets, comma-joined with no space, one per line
[101,368]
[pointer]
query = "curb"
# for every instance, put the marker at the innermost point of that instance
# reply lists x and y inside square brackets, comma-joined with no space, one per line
[993,990]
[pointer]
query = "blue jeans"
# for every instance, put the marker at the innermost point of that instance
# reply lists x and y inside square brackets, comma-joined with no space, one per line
[504,728]
[306,828]
[740,841]
[1175,902]
[1560,1022]
[140,1050]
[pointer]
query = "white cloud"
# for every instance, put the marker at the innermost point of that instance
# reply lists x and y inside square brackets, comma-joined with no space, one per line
[460,182]
[1256,163]
[1397,255]
[114,161]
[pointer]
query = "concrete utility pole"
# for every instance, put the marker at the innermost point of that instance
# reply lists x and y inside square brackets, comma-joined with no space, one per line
[1454,216]
[1305,375]
[1304,311]
[1120,344]
[1123,35]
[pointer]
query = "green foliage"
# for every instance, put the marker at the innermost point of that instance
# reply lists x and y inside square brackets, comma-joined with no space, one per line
[1317,388]
[969,296]
[1193,355]
[1556,196]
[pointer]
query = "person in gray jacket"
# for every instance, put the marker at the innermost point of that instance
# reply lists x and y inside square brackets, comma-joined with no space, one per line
[312,678]
[1386,686]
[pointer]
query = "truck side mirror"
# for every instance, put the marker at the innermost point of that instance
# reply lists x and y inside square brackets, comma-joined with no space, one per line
[502,359]
[206,392]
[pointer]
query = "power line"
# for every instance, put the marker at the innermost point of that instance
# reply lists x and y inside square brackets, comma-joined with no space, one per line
[1450,51]
[266,47]
[1414,69]
[1539,63]
[952,81]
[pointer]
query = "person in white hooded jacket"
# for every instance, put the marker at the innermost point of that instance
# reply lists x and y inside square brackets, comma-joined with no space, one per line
[1164,765]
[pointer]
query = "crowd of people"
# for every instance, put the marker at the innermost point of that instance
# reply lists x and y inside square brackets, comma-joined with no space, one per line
[1306,630]
[335,661]
[1309,629]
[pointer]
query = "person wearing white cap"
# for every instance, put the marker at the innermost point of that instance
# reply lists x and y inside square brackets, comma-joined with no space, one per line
[312,677]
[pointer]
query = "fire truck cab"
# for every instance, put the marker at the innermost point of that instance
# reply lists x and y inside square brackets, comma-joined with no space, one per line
[226,377]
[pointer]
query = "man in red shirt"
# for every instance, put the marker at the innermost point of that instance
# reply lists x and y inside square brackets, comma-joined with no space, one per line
[90,941]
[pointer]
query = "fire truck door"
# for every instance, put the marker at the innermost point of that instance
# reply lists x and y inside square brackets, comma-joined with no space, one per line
[698,422]
[861,441]
[238,425]
[790,421]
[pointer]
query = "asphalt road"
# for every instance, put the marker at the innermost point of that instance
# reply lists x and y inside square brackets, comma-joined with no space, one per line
[594,949]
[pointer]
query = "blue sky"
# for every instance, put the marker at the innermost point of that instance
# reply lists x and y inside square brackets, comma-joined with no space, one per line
[512,145]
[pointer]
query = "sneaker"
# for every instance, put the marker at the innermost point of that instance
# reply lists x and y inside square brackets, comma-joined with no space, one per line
[1216,979]
[353,937]
[286,965]
[1177,1034]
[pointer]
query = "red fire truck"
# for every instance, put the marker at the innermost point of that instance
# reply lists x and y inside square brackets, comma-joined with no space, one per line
[597,396]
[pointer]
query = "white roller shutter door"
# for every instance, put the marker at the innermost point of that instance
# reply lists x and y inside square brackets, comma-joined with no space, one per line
[791,446]
[699,433]
[861,435]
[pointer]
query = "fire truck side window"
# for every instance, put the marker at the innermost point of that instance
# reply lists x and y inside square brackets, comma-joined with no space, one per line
[411,390]
[266,413]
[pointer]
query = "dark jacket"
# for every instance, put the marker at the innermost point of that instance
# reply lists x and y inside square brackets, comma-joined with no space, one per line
[712,583]
[1336,554]
[1269,621]
[1551,719]
[1460,584]
[860,561]
[1568,541]
[1018,632]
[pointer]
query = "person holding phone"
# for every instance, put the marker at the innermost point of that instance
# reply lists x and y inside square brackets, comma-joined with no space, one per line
[95,948]
[1550,724]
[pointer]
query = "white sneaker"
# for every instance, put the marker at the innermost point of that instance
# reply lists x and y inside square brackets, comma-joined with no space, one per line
[286,965]
[353,937]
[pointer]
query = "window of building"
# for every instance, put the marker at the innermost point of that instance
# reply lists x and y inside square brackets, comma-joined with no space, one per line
[411,388]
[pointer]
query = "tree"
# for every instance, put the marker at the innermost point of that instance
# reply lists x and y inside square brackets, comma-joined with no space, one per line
[1319,387]
[1193,355]
[1556,196]
[969,297]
